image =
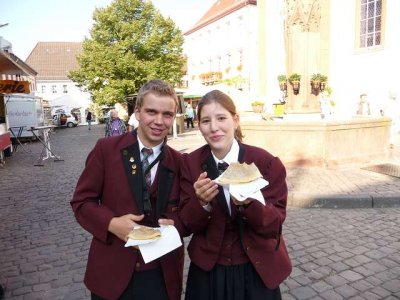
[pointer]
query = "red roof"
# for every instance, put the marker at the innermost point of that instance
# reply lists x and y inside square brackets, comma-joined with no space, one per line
[54,60]
[220,9]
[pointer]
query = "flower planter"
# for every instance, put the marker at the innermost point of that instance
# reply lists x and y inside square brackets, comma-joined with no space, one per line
[296,87]
[279,110]
[258,108]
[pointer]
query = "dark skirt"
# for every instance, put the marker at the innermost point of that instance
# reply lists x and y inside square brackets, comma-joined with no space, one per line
[239,282]
[147,285]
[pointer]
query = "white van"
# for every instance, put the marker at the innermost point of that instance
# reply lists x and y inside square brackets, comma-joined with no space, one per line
[65,119]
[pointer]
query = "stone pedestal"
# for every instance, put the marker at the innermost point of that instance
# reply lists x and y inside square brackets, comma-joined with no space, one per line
[321,143]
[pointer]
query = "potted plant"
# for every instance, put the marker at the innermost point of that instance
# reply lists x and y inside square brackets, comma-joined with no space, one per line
[257,106]
[294,80]
[315,83]
[324,79]
[282,82]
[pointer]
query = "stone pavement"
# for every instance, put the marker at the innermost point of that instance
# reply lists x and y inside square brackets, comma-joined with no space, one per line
[336,253]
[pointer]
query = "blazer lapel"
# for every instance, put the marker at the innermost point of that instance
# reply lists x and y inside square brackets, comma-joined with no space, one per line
[241,153]
[165,181]
[212,172]
[133,170]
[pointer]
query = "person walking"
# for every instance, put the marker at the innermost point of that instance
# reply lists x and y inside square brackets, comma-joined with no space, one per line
[237,250]
[116,192]
[115,126]
[89,119]
[189,116]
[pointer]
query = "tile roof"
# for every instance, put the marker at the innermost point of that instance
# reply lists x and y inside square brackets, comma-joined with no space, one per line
[220,9]
[10,64]
[54,60]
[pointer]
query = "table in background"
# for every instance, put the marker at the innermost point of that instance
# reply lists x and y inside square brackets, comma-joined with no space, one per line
[16,132]
[46,151]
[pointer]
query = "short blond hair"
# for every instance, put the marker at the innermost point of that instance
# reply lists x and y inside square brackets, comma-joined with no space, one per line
[157,87]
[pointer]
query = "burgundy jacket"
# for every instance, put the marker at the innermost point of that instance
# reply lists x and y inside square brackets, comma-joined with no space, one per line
[262,239]
[111,185]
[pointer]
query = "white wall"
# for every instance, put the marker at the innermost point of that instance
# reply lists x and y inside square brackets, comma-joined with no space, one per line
[354,71]
[208,47]
[83,99]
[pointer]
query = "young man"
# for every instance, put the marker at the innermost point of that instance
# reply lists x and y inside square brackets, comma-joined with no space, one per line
[113,195]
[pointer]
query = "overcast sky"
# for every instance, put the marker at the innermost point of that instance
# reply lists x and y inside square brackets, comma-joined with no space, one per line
[33,21]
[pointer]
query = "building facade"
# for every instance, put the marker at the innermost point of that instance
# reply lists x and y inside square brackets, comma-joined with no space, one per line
[222,46]
[53,62]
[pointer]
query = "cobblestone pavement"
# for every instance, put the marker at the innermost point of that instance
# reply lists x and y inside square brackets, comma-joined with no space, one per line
[336,253]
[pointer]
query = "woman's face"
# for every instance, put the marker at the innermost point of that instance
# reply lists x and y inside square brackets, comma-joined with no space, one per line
[218,126]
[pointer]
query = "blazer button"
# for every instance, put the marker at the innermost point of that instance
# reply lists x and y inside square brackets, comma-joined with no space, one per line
[248,248]
[137,265]
[257,263]
[209,217]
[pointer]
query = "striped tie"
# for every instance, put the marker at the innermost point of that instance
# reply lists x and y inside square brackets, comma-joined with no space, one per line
[145,164]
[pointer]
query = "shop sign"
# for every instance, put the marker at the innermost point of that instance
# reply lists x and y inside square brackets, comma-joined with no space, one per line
[12,87]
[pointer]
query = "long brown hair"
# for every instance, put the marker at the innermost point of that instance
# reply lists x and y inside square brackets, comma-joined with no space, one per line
[225,101]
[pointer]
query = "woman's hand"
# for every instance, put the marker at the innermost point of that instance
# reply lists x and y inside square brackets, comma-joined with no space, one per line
[121,226]
[205,189]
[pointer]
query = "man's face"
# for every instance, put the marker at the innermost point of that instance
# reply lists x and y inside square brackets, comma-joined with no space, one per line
[155,117]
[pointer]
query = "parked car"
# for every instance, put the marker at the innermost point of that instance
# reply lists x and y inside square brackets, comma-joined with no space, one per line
[65,119]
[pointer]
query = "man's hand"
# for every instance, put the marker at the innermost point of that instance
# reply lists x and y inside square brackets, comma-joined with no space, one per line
[205,188]
[121,226]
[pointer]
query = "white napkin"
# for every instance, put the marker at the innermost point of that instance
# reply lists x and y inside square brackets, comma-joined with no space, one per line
[242,191]
[252,189]
[153,249]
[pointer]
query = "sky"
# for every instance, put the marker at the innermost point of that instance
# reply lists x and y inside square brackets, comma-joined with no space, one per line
[33,21]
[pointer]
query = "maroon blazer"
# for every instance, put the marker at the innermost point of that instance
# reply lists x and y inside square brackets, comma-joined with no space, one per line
[111,185]
[262,239]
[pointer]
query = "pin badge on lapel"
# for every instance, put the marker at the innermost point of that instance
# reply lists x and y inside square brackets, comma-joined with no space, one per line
[134,169]
[125,152]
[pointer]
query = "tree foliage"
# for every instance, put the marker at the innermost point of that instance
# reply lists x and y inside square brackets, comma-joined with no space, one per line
[130,42]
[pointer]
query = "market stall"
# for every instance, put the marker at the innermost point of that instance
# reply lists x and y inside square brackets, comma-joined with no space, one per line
[16,77]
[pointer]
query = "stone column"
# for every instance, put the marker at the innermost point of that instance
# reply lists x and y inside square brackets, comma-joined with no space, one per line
[303,48]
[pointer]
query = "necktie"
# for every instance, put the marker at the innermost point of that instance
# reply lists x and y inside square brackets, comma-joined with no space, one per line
[145,164]
[222,167]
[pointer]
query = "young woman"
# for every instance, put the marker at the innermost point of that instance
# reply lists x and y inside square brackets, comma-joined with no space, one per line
[237,250]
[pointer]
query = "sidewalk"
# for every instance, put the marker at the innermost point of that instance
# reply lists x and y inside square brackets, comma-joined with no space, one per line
[347,186]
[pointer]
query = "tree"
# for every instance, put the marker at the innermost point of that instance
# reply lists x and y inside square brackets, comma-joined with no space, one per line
[130,43]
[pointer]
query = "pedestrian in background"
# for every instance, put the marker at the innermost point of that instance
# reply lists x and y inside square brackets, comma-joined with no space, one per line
[116,192]
[364,107]
[89,119]
[189,116]
[115,126]
[237,250]
[133,123]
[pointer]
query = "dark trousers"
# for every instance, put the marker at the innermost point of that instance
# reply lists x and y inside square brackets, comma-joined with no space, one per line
[189,121]
[147,285]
